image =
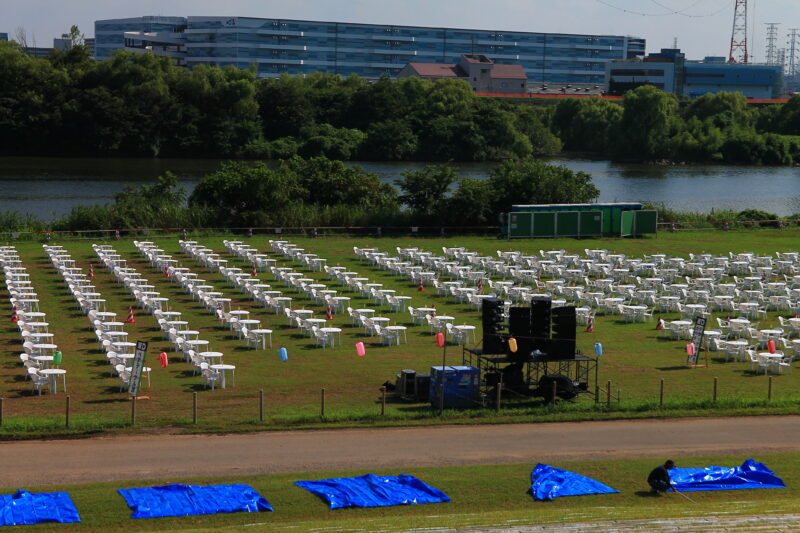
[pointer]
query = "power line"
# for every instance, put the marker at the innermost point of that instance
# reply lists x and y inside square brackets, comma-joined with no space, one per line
[677,11]
[671,12]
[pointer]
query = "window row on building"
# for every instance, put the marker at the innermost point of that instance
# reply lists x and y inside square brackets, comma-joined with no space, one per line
[296,47]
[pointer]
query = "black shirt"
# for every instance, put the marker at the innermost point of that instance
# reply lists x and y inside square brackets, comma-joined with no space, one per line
[659,473]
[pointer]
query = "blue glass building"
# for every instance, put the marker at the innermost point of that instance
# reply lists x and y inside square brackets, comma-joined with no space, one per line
[670,71]
[109,35]
[297,47]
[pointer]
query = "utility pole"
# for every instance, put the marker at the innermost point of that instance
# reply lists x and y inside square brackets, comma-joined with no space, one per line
[738,51]
[772,40]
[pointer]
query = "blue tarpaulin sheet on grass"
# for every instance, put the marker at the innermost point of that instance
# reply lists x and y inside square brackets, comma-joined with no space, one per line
[373,491]
[549,482]
[182,500]
[25,508]
[750,475]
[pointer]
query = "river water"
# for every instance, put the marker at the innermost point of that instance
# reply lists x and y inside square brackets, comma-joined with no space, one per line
[50,187]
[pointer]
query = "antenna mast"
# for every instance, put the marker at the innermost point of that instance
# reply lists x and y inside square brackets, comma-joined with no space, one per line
[738,52]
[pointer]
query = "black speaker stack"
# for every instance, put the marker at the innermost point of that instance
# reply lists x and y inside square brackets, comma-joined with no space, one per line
[494,331]
[565,323]
[541,331]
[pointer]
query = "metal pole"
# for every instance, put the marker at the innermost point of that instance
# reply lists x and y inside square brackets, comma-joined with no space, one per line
[608,393]
[769,389]
[133,410]
[661,394]
[716,380]
[383,401]
[441,378]
[498,395]
[66,421]
[555,388]
[322,404]
[2,401]
[261,405]
[194,408]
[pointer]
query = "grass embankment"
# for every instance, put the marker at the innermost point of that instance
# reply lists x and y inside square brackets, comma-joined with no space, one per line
[491,495]
[635,358]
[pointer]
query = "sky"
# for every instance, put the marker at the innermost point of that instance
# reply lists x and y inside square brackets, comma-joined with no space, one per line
[702,27]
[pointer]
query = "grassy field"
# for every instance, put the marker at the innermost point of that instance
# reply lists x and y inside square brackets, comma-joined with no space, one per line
[635,359]
[492,495]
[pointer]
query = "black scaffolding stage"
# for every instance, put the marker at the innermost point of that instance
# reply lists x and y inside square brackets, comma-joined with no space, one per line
[521,375]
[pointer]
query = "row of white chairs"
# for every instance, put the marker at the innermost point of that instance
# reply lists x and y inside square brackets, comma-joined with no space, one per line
[253,334]
[31,322]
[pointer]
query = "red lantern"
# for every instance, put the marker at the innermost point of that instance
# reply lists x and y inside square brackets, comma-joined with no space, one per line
[163,360]
[440,339]
[771,346]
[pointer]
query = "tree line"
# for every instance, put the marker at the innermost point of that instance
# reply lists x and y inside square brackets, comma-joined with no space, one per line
[318,192]
[142,105]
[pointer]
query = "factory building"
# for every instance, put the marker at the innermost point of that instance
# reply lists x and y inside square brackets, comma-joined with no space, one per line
[670,71]
[297,47]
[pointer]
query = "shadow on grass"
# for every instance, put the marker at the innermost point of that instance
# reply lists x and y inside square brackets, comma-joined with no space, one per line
[679,367]
[111,389]
[647,494]
[110,400]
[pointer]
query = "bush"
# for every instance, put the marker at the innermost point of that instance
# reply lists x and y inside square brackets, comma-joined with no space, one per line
[754,217]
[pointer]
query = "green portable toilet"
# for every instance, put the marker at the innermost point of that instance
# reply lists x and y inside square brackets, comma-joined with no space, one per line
[645,221]
[567,224]
[544,224]
[590,223]
[520,225]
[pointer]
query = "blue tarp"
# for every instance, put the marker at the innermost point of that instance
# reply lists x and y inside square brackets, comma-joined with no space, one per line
[549,482]
[182,500]
[750,475]
[373,491]
[25,508]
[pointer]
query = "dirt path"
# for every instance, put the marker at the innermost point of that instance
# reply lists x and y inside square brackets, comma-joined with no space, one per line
[181,456]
